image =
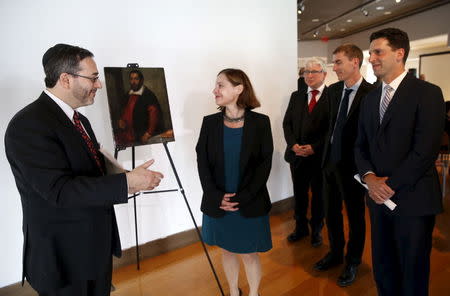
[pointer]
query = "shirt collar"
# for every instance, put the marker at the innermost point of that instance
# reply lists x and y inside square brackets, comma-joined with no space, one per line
[396,82]
[63,105]
[354,86]
[138,92]
[320,88]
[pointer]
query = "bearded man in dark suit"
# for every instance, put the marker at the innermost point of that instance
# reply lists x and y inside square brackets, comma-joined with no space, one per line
[69,225]
[142,117]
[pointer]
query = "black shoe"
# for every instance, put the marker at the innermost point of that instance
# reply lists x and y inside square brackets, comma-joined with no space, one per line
[328,262]
[316,240]
[348,275]
[297,235]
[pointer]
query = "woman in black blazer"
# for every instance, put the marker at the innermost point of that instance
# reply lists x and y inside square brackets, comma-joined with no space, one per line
[234,156]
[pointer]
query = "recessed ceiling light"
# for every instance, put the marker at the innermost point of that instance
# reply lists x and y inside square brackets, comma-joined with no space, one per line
[300,7]
[349,20]
[387,12]
[365,12]
[342,30]
[398,1]
[315,20]
[379,8]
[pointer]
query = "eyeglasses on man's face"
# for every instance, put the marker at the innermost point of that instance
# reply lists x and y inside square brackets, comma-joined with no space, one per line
[93,79]
[312,72]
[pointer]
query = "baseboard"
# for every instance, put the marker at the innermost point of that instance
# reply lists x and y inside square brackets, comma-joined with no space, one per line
[148,250]
[156,247]
[282,206]
[18,290]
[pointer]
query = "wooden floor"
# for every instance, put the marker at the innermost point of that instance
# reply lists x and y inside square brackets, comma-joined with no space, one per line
[287,268]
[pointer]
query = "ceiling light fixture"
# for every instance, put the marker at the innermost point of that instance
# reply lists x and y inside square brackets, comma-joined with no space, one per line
[315,20]
[342,30]
[398,1]
[364,11]
[300,7]
[379,8]
[316,33]
[387,13]
[349,20]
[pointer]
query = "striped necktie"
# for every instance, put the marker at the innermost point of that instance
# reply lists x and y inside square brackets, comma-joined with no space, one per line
[385,101]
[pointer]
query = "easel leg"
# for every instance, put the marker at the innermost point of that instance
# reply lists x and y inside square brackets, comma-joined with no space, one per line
[133,164]
[193,219]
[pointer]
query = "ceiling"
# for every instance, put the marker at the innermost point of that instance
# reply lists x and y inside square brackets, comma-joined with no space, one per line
[321,19]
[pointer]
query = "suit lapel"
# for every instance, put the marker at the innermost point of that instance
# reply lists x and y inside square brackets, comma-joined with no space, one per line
[302,103]
[68,125]
[400,95]
[376,107]
[219,140]
[358,96]
[248,134]
[90,132]
[56,110]
[336,99]
[320,101]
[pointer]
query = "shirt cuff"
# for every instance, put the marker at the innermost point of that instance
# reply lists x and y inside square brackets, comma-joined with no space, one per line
[367,173]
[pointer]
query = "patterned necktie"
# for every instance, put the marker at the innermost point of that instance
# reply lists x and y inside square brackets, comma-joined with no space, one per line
[385,101]
[313,101]
[89,143]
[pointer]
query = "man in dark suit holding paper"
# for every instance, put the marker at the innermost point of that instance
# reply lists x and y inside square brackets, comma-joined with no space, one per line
[399,134]
[338,165]
[69,225]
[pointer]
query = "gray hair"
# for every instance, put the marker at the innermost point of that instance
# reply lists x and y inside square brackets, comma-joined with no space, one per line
[316,61]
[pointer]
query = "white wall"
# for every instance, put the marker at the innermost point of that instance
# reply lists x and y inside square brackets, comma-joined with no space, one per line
[312,48]
[192,40]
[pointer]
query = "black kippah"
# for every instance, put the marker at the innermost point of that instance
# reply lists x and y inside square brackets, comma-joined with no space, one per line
[52,51]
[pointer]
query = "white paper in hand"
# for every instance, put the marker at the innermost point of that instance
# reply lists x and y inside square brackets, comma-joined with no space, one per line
[389,203]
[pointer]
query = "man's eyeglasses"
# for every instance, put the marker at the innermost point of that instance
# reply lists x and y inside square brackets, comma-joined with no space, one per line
[312,72]
[93,79]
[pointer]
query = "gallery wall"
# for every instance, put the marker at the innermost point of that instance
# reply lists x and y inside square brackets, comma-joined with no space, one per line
[192,40]
[427,24]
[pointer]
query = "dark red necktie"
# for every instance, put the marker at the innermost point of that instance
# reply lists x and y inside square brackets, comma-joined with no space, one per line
[89,143]
[313,101]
